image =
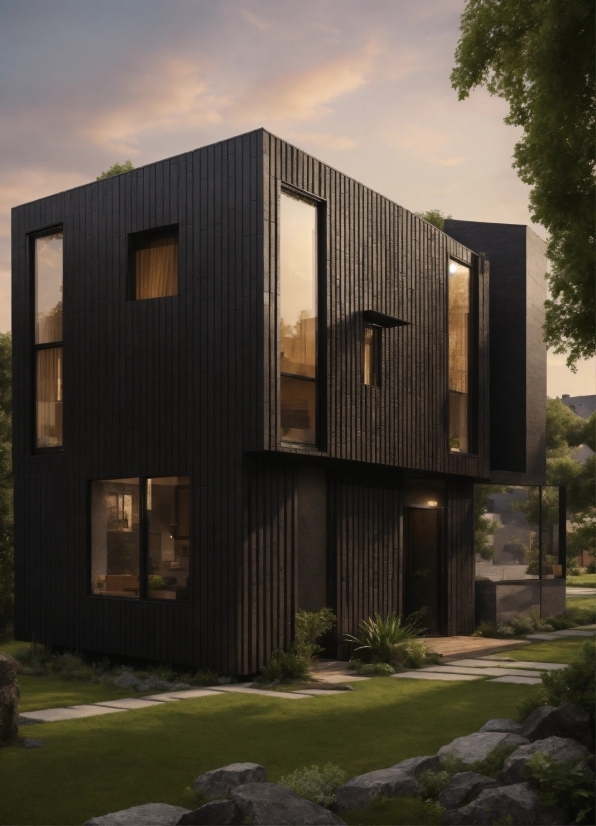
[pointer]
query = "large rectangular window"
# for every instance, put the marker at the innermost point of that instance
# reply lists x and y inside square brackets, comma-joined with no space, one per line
[140,535]
[298,319]
[48,278]
[459,357]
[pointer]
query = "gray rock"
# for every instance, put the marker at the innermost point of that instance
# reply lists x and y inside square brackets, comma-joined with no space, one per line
[216,813]
[463,786]
[565,720]
[359,791]
[518,802]
[32,743]
[558,749]
[503,724]
[149,814]
[474,747]
[220,782]
[417,765]
[271,804]
[9,697]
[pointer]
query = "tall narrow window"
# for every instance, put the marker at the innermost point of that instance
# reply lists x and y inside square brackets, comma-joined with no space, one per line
[115,537]
[155,263]
[459,357]
[298,319]
[371,372]
[48,259]
[168,527]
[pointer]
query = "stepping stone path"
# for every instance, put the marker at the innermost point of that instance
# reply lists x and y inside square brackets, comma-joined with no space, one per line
[498,668]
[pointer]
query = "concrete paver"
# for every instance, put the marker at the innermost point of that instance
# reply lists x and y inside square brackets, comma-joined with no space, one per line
[240,689]
[446,676]
[523,664]
[544,636]
[185,694]
[574,632]
[52,715]
[318,692]
[517,679]
[130,702]
[482,672]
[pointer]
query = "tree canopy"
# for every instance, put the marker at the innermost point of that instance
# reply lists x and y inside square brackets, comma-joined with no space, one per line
[116,169]
[434,217]
[539,56]
[6,495]
[564,428]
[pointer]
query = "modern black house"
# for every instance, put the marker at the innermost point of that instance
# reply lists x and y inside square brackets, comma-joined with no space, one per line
[246,385]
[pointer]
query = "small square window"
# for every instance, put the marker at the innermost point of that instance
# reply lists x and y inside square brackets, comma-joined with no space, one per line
[155,264]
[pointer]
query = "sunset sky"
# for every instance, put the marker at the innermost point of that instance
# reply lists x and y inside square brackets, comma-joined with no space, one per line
[361,84]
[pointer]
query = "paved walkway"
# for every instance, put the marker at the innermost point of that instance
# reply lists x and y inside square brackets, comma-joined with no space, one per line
[483,665]
[580,592]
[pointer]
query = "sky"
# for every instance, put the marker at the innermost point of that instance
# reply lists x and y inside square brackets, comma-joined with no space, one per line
[363,85]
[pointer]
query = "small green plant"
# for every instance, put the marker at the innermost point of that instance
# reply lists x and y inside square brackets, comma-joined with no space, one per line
[414,654]
[156,583]
[493,763]
[383,640]
[286,665]
[372,669]
[504,821]
[116,169]
[433,782]
[316,784]
[569,785]
[309,627]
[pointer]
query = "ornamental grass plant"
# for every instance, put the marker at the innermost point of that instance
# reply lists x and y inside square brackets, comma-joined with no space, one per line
[387,640]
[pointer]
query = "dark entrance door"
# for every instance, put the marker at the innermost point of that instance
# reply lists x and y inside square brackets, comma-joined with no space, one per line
[422,539]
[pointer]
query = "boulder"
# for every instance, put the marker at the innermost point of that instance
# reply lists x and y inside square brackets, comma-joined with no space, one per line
[149,814]
[474,747]
[565,720]
[271,804]
[520,803]
[559,749]
[9,697]
[463,786]
[220,782]
[216,813]
[417,765]
[503,724]
[359,791]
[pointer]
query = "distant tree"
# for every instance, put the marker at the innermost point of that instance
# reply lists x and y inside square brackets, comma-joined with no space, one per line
[6,487]
[435,217]
[589,437]
[564,428]
[539,56]
[116,169]
[484,528]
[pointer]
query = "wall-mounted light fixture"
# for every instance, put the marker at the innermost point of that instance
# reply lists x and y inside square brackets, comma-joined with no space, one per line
[431,503]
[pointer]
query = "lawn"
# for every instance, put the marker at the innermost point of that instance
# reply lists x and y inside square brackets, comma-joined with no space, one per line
[96,765]
[582,581]
[557,651]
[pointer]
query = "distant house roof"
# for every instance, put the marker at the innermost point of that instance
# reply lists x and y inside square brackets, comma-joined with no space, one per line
[583,406]
[581,454]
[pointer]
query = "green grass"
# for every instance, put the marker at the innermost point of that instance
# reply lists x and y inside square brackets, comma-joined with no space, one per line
[96,765]
[394,811]
[50,692]
[557,651]
[582,581]
[581,602]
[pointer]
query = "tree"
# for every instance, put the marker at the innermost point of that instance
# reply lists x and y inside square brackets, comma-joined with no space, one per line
[435,217]
[539,56]
[6,490]
[564,428]
[116,169]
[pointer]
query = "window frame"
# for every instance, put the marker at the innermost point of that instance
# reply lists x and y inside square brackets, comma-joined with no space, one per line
[320,380]
[143,542]
[33,236]
[135,242]
[473,343]
[377,354]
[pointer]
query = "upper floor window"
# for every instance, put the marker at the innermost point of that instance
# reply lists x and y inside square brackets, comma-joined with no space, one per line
[48,284]
[460,283]
[155,263]
[371,367]
[298,319]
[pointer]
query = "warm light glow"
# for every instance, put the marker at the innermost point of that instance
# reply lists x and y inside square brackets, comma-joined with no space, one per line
[432,503]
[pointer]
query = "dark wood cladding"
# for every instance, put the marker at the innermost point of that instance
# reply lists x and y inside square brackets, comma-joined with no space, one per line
[378,257]
[189,385]
[459,558]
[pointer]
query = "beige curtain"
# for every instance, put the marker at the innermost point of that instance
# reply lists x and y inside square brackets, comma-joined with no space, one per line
[157,269]
[49,397]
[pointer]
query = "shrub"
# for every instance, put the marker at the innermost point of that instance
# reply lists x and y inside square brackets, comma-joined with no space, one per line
[156,583]
[493,763]
[569,785]
[486,629]
[380,640]
[574,615]
[372,669]
[286,665]
[433,782]
[309,627]
[316,784]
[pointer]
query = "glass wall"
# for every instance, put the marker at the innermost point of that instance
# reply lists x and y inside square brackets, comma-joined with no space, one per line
[115,537]
[136,556]
[517,532]
[298,319]
[168,518]
[48,262]
[459,357]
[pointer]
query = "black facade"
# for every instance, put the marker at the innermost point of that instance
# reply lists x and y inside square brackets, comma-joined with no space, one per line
[189,384]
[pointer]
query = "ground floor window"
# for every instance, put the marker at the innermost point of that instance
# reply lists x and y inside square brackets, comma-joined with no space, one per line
[140,535]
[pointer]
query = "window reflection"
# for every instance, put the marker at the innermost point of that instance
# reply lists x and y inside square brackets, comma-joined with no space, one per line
[459,325]
[48,288]
[115,537]
[156,268]
[49,397]
[298,318]
[372,355]
[168,517]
